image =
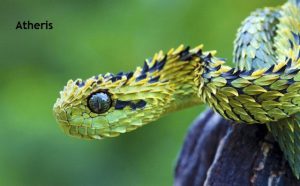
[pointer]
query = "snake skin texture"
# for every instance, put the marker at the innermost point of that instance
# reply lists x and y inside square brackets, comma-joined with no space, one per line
[264,30]
[264,87]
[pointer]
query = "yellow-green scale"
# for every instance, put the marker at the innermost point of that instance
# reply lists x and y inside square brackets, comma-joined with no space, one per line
[263,88]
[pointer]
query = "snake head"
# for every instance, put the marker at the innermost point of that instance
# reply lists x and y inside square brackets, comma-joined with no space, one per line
[105,106]
[108,105]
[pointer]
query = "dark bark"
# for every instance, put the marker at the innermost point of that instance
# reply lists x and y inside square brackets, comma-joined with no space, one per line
[217,152]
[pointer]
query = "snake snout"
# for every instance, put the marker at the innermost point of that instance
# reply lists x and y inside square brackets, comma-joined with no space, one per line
[60,114]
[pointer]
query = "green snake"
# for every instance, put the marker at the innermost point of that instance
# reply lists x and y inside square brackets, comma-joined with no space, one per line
[264,87]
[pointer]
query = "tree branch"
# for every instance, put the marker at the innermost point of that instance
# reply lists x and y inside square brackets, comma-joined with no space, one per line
[215,152]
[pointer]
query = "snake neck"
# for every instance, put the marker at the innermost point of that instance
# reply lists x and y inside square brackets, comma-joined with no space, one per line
[185,74]
[167,82]
[174,78]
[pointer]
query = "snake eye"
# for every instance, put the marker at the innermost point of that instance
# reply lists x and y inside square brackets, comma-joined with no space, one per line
[99,102]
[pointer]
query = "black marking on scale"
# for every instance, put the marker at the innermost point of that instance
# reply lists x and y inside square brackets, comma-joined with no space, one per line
[141,104]
[129,75]
[162,63]
[121,104]
[154,67]
[145,68]
[184,52]
[291,44]
[296,38]
[141,77]
[154,80]
[270,70]
[80,83]
[292,71]
[289,63]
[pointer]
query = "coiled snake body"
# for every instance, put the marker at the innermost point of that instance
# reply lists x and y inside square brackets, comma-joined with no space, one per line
[264,87]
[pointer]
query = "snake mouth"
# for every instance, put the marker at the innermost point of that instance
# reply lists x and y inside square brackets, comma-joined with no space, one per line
[78,131]
[84,132]
[72,130]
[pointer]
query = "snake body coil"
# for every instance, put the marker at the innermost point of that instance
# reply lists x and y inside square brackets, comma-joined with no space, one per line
[264,87]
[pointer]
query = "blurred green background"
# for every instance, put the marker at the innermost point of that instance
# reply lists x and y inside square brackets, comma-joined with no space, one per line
[89,38]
